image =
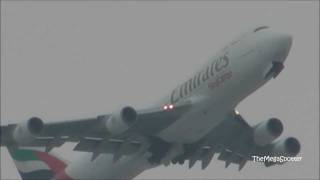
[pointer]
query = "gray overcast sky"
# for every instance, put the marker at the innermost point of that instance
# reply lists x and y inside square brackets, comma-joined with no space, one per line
[66,60]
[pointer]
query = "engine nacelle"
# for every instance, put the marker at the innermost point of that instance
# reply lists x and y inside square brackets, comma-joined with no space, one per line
[122,120]
[267,131]
[27,131]
[288,147]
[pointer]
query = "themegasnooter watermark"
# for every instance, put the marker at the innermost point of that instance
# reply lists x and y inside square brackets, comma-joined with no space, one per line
[276,159]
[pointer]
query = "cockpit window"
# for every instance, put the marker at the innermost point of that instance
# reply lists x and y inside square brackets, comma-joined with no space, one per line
[260,28]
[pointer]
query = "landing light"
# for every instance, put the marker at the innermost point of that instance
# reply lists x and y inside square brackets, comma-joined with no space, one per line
[237,112]
[167,107]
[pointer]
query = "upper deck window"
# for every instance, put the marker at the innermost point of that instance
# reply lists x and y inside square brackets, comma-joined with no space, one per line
[260,28]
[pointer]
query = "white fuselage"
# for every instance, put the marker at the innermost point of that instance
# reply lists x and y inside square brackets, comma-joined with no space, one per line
[227,78]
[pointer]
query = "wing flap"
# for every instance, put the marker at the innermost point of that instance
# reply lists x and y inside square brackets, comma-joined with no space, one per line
[110,146]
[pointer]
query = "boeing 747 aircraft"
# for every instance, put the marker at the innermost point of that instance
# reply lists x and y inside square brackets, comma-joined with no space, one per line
[195,121]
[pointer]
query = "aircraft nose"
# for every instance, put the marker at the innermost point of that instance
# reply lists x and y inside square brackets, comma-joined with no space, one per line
[285,40]
[275,48]
[282,45]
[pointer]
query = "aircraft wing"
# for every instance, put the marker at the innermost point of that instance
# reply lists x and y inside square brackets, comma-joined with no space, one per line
[235,142]
[102,134]
[234,139]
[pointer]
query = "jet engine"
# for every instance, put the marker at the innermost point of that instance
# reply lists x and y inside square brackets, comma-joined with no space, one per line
[267,131]
[286,147]
[122,120]
[27,131]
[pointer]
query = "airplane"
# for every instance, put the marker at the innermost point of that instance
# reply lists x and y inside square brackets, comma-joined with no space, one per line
[195,121]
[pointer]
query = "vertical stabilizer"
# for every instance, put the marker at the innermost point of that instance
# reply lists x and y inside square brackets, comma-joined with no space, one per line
[35,164]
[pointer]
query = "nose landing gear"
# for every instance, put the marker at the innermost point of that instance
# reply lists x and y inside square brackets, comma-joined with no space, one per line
[275,70]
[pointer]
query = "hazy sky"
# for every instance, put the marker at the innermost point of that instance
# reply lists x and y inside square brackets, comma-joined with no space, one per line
[66,60]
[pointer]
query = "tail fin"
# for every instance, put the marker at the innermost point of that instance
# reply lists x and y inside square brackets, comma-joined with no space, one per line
[35,164]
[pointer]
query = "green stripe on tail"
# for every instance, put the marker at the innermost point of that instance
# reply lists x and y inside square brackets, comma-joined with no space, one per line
[23,155]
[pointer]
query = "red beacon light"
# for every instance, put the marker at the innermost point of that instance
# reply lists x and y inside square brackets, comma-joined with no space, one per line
[171,106]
